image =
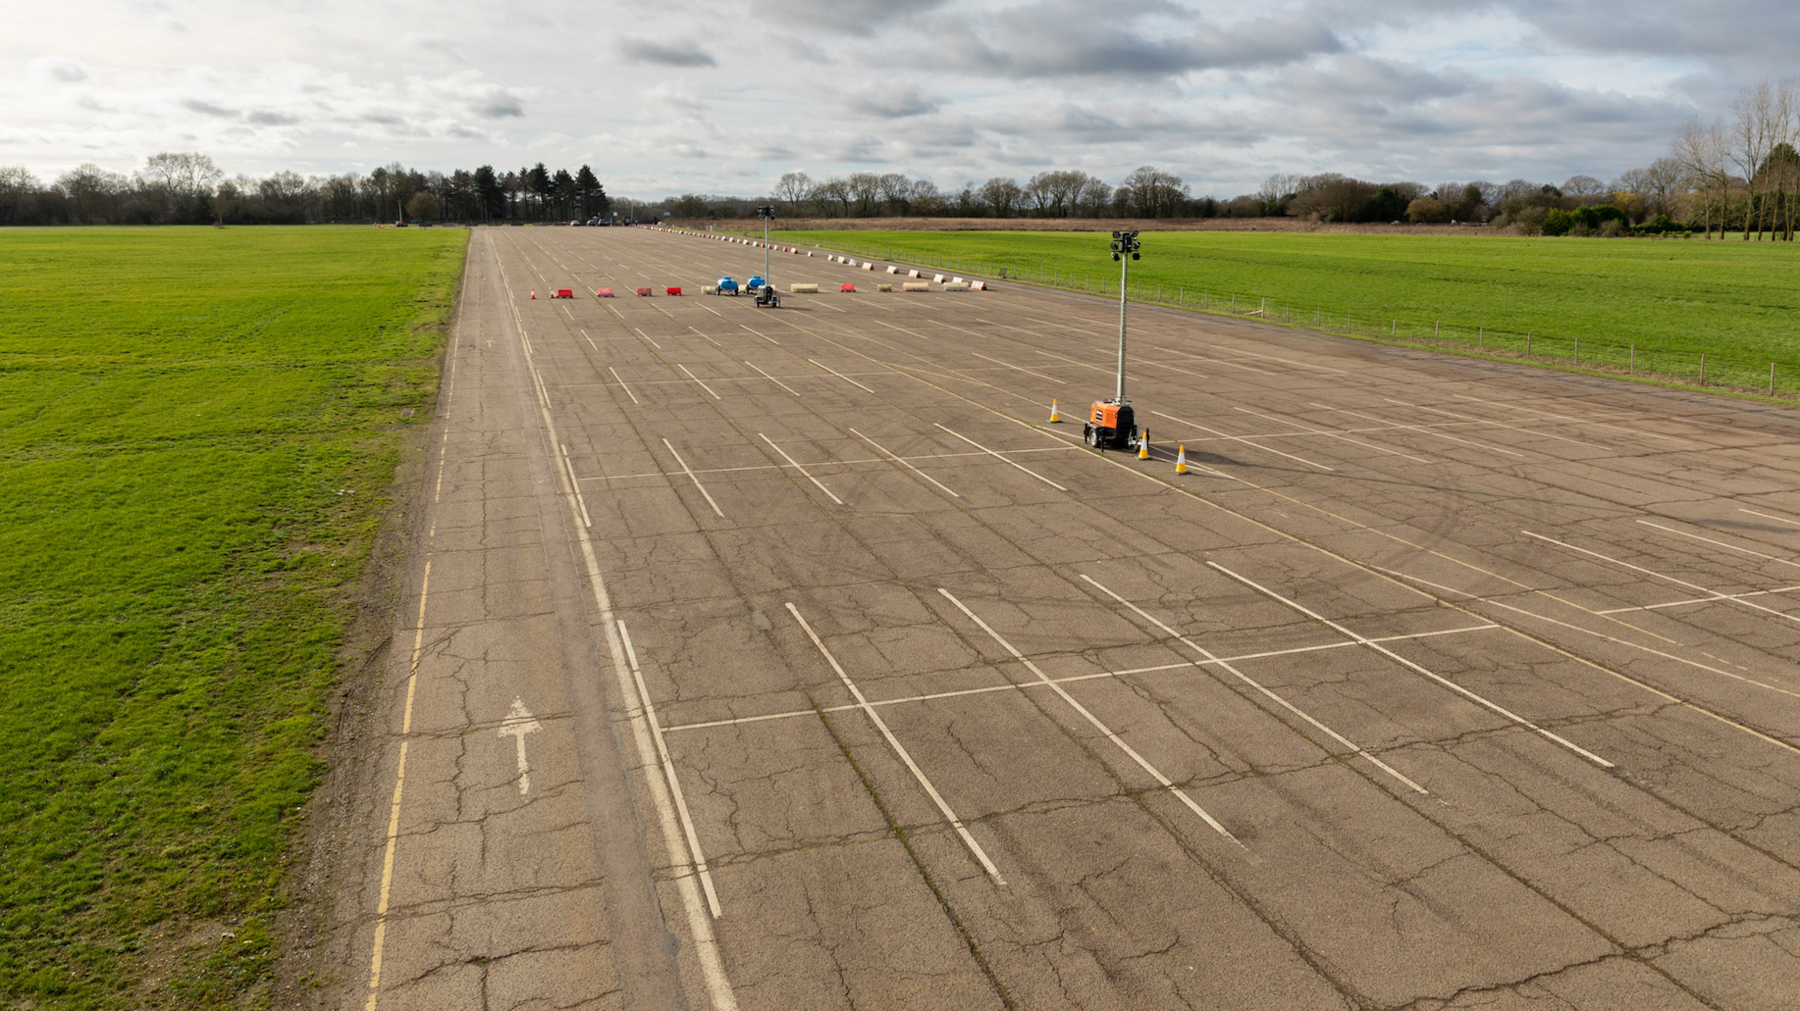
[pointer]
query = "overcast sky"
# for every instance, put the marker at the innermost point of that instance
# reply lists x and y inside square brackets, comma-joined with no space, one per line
[670,96]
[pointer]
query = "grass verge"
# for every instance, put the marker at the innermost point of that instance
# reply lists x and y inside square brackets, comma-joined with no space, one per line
[198,429]
[1618,305]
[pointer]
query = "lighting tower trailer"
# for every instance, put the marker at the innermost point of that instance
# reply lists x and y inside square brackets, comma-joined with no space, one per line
[1112,422]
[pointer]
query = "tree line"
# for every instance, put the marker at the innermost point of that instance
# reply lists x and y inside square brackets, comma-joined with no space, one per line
[189,188]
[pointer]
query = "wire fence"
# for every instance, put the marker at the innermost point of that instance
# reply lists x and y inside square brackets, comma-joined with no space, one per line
[1772,378]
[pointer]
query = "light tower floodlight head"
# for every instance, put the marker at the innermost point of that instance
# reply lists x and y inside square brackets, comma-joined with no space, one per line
[766,211]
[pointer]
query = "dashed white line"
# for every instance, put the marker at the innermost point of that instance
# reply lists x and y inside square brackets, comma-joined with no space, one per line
[702,382]
[1239,438]
[685,469]
[840,375]
[796,465]
[1397,658]
[1270,695]
[900,750]
[621,382]
[1003,459]
[1093,720]
[902,462]
[668,764]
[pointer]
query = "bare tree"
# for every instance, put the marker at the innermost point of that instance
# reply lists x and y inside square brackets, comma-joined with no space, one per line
[1002,195]
[1094,198]
[1152,193]
[182,177]
[865,189]
[1585,189]
[896,193]
[833,193]
[1752,116]
[793,188]
[1703,152]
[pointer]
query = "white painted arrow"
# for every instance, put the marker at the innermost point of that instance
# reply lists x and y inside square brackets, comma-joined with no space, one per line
[517,724]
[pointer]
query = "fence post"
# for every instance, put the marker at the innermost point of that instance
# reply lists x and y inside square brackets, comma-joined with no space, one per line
[1481,342]
[1528,343]
[1395,330]
[1439,331]
[1771,379]
[1578,350]
[1633,370]
[1702,368]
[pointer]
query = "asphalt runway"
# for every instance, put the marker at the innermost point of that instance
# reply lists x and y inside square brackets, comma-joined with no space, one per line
[777,659]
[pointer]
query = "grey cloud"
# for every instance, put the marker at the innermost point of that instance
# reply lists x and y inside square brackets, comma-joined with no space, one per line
[499,106]
[66,71]
[209,109]
[273,119]
[893,101]
[851,17]
[1063,38]
[677,54]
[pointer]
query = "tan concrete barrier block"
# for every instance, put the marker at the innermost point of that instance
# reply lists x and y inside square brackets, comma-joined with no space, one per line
[803,289]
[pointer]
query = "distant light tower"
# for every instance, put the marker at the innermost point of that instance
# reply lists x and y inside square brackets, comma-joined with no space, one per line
[767,213]
[1124,249]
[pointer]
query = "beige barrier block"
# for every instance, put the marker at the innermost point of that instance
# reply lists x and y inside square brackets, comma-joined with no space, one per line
[956,286]
[893,269]
[912,273]
[915,286]
[803,289]
[939,278]
[884,287]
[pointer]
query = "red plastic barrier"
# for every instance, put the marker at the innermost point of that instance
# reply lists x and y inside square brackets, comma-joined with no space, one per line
[563,293]
[603,292]
[846,287]
[645,292]
[672,291]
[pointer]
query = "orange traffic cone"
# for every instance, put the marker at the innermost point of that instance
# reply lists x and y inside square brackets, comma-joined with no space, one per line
[1055,418]
[1181,460]
[534,293]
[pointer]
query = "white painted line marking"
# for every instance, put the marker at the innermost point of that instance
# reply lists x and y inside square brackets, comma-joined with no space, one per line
[900,750]
[1500,424]
[1308,429]
[517,724]
[764,336]
[772,379]
[1390,654]
[1142,762]
[1579,420]
[1710,598]
[1421,429]
[1768,516]
[1239,438]
[668,764]
[575,482]
[709,340]
[1270,695]
[647,337]
[1003,459]
[1715,595]
[590,340]
[840,375]
[1015,368]
[702,382]
[1290,361]
[691,477]
[1012,687]
[627,389]
[902,462]
[795,464]
[1652,689]
[1722,544]
[706,945]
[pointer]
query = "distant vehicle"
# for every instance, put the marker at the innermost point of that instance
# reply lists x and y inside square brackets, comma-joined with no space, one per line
[578,222]
[765,296]
[756,283]
[399,224]
[595,222]
[726,286]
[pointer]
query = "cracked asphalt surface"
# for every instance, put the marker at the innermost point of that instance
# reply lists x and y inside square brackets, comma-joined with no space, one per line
[1436,683]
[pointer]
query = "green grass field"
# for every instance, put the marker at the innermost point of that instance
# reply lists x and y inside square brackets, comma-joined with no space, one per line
[198,428]
[1673,299]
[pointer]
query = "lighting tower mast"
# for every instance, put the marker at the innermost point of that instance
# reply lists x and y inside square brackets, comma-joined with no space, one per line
[767,213]
[1124,249]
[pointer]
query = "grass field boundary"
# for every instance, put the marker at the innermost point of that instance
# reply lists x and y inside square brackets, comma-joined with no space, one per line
[1775,377]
